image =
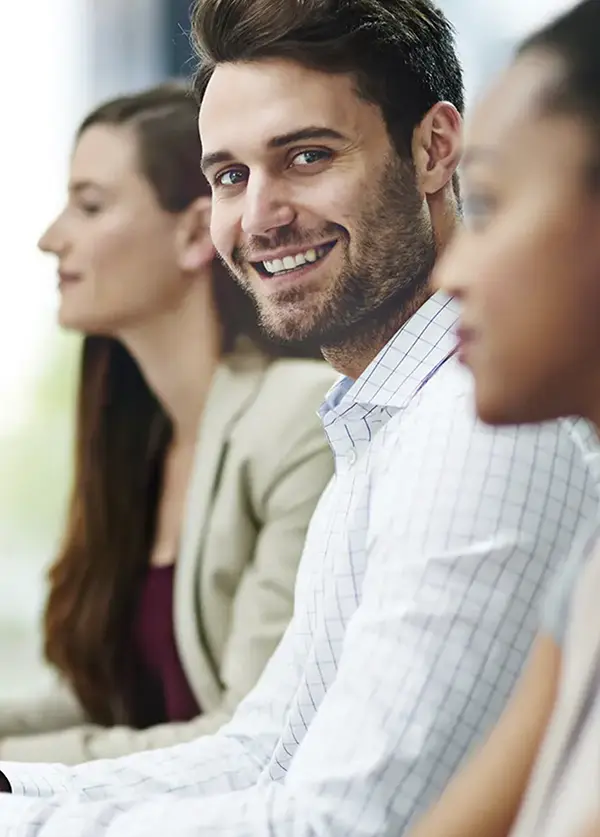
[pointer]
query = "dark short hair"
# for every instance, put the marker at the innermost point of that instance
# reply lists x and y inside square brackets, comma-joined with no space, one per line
[402,53]
[574,39]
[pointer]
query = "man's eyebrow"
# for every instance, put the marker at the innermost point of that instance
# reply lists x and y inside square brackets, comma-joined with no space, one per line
[214,158]
[313,132]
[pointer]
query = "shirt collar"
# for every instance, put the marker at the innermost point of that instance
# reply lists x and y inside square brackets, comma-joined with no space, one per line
[404,364]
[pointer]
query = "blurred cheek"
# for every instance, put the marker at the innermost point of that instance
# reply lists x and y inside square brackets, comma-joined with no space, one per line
[495,269]
[104,238]
[124,258]
[517,322]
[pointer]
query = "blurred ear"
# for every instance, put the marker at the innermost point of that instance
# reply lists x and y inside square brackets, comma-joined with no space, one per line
[194,247]
[437,148]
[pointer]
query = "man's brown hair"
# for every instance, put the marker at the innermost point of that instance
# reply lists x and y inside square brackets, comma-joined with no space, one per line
[401,52]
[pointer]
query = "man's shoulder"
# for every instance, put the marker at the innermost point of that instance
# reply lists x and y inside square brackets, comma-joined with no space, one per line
[438,471]
[441,417]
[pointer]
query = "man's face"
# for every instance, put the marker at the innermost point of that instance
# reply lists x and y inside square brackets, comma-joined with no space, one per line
[312,209]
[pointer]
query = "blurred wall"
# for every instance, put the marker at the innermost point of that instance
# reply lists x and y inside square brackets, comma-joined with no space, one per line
[127,45]
[46,79]
[179,54]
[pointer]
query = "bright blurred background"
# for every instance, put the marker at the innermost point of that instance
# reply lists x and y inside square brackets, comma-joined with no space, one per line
[79,52]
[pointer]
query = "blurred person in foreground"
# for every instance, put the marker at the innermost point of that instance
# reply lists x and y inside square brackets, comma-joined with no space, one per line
[199,456]
[331,133]
[527,271]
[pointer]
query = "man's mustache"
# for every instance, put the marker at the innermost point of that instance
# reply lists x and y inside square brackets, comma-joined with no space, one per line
[285,237]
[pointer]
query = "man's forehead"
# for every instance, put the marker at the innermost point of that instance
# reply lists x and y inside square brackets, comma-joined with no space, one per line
[267,98]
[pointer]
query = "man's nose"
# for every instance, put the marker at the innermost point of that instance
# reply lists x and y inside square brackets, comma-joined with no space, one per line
[267,207]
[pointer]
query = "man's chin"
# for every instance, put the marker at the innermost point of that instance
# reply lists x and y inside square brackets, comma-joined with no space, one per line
[288,331]
[291,327]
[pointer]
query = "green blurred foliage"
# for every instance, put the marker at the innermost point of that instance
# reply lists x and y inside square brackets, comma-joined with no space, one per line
[36,457]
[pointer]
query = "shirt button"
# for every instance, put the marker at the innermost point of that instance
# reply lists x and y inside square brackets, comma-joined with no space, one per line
[352,457]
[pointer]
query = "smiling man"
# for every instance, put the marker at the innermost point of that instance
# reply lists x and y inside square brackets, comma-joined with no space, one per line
[325,218]
[331,131]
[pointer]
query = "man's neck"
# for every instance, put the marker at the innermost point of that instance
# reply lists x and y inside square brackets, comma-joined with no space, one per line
[352,357]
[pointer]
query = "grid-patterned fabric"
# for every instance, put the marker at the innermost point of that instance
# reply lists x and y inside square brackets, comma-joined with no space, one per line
[415,607]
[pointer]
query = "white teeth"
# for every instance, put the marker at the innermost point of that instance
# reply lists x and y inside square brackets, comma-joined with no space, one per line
[292,262]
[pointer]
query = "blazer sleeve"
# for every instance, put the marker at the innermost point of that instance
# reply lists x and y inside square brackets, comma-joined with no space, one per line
[264,601]
[87,742]
[289,470]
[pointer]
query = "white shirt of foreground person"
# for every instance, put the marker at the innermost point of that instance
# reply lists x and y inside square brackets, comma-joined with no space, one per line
[416,604]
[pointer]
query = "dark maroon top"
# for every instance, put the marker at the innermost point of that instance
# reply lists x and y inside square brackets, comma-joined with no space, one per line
[161,690]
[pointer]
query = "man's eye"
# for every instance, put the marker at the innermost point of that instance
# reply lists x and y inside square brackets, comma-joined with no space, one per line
[311,156]
[231,177]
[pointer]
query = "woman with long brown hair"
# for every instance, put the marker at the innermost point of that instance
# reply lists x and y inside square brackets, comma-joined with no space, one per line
[199,455]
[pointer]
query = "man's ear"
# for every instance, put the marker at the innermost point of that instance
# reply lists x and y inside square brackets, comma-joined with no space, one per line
[437,148]
[194,246]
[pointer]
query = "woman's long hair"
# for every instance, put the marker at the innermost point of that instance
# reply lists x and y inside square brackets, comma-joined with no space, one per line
[122,434]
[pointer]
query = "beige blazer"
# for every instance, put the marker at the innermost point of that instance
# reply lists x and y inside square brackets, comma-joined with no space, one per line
[261,463]
[564,792]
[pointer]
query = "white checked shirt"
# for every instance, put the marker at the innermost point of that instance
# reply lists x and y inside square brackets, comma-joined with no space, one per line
[415,607]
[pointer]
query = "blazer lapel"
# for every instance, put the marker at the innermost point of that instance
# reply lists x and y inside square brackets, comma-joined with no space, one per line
[234,387]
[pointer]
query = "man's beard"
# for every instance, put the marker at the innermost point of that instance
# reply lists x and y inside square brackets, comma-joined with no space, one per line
[376,285]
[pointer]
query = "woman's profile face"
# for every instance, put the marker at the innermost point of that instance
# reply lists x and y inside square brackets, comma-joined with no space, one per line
[526,266]
[115,246]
